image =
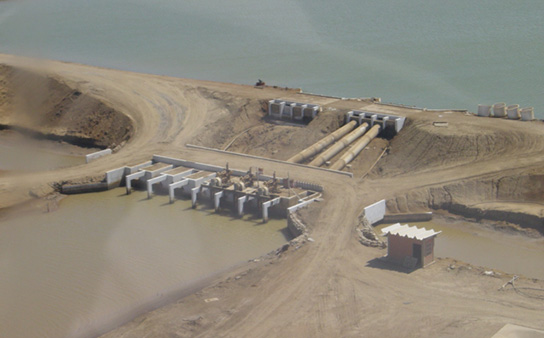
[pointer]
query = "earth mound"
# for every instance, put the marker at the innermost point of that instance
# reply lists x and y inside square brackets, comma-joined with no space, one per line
[423,146]
[45,107]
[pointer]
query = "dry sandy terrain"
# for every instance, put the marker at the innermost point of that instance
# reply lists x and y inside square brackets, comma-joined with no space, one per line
[331,286]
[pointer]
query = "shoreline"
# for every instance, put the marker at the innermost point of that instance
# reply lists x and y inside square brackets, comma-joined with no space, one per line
[167,113]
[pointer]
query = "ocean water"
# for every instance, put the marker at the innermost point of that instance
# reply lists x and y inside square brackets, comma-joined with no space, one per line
[435,54]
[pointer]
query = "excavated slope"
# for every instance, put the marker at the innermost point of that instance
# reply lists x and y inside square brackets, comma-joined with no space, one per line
[45,107]
[422,146]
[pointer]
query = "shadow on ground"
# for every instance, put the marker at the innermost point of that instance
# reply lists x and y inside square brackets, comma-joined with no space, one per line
[382,263]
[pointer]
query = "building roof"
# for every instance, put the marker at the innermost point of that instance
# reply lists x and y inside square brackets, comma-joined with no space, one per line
[412,232]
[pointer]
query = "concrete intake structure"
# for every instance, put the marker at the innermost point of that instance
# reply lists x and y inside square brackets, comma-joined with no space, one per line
[340,145]
[323,143]
[484,110]
[513,112]
[527,114]
[356,148]
[499,109]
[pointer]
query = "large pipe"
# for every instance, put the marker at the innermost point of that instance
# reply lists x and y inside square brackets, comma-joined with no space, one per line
[323,143]
[356,148]
[338,146]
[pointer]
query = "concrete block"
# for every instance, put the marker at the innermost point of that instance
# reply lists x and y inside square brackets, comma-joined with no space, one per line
[375,212]
[499,109]
[176,185]
[132,177]
[93,156]
[513,112]
[527,114]
[115,176]
[484,110]
[154,181]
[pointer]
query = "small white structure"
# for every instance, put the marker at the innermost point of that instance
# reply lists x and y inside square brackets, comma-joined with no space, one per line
[275,108]
[292,110]
[499,109]
[484,110]
[375,212]
[513,112]
[410,246]
[527,114]
[386,121]
[94,156]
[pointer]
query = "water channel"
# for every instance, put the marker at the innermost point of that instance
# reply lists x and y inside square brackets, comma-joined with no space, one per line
[103,258]
[478,244]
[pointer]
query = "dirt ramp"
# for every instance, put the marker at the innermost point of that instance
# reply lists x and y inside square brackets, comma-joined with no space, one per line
[281,139]
[46,107]
[422,145]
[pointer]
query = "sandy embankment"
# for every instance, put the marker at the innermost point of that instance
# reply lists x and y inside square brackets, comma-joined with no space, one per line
[333,286]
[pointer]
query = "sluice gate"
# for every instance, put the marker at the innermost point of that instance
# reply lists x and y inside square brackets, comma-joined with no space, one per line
[281,109]
[220,186]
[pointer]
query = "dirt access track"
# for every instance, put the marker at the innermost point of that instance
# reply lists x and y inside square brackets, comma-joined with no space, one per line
[330,285]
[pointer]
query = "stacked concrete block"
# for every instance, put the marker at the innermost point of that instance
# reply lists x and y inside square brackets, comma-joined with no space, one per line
[292,110]
[386,121]
[499,109]
[275,108]
[484,110]
[527,114]
[513,112]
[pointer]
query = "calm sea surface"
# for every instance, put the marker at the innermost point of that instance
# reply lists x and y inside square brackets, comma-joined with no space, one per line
[435,54]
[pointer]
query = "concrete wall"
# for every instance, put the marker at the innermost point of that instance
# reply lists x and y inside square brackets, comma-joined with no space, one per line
[190,164]
[406,218]
[375,212]
[116,176]
[269,159]
[300,205]
[97,155]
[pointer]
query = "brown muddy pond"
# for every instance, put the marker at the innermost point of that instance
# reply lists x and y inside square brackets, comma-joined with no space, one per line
[478,244]
[103,258]
[20,153]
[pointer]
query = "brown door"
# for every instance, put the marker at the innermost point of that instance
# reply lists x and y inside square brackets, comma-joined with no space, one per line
[416,253]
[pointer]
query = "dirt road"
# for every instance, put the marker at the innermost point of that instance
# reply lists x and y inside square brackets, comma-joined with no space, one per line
[332,285]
